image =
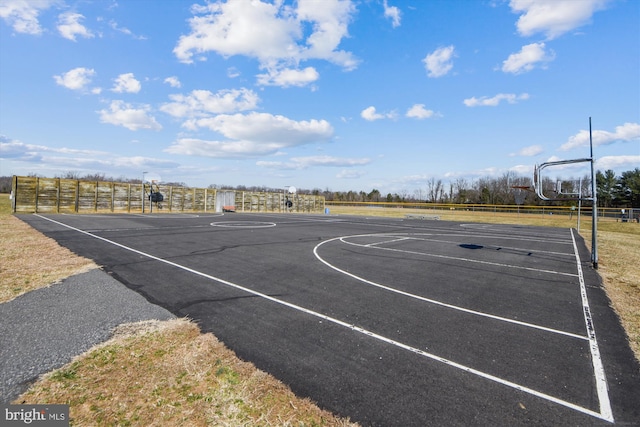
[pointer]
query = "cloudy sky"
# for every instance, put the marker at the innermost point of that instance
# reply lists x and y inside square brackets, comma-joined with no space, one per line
[338,95]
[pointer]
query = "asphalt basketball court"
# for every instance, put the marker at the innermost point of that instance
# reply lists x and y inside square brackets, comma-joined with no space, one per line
[387,321]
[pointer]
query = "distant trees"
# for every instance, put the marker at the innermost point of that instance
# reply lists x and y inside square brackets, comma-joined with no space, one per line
[5,184]
[618,191]
[606,185]
[613,191]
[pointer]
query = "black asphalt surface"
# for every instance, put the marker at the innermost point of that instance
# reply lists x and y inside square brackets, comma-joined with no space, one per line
[390,322]
[44,329]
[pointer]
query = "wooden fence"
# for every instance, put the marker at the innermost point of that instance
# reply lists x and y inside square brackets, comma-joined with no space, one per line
[55,195]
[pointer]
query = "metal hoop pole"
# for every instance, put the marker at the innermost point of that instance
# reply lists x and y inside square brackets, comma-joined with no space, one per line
[594,209]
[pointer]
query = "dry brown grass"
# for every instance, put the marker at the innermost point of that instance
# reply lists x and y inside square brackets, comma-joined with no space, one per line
[31,260]
[619,267]
[168,373]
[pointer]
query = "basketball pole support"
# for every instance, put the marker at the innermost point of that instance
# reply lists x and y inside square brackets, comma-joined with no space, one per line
[537,183]
[594,209]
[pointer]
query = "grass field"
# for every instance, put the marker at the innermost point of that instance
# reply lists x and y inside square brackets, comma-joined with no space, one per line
[168,373]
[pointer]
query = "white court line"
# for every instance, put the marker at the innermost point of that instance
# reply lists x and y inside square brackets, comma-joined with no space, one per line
[436,302]
[187,227]
[496,264]
[167,215]
[401,239]
[596,360]
[320,220]
[412,236]
[348,326]
[243,224]
[149,215]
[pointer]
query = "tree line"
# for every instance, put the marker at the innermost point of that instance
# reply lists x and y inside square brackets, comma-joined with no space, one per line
[612,190]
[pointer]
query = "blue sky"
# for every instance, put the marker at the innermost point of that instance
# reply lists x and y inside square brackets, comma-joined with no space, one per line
[338,95]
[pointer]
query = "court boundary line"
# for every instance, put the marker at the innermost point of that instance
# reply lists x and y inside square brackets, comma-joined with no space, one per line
[349,326]
[403,224]
[436,302]
[243,224]
[493,247]
[596,360]
[496,264]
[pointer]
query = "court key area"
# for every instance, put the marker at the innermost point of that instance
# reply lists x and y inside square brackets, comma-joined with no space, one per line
[391,322]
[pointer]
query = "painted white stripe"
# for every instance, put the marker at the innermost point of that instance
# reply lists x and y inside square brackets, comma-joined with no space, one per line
[496,264]
[513,248]
[346,325]
[436,302]
[382,242]
[497,235]
[149,216]
[413,236]
[598,368]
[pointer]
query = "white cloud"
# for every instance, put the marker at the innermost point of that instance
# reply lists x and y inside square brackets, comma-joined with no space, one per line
[123,114]
[528,57]
[532,150]
[125,30]
[439,62]
[274,34]
[553,17]
[22,15]
[494,101]
[219,149]
[126,83]
[267,128]
[330,161]
[173,81]
[202,103]
[239,28]
[625,133]
[17,150]
[350,174]
[69,26]
[298,163]
[288,77]
[76,79]
[393,13]
[417,111]
[617,162]
[251,134]
[330,19]
[52,160]
[371,115]
[526,170]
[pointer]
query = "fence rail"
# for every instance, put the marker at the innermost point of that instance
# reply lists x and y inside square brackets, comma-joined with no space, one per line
[627,214]
[56,195]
